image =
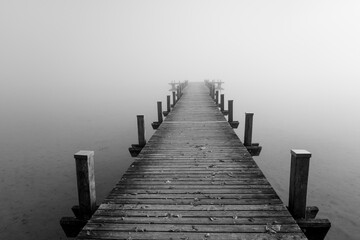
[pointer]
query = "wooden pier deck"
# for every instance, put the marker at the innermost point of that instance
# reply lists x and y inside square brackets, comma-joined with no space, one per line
[193,180]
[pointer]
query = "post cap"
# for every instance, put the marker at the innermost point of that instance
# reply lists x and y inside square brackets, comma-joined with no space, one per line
[84,154]
[300,153]
[249,113]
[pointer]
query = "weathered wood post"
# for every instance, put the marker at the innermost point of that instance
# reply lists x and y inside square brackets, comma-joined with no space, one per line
[155,125]
[159,110]
[213,91]
[135,149]
[141,130]
[222,105]
[217,97]
[248,129]
[178,93]
[222,102]
[168,105]
[299,172]
[86,183]
[253,148]
[314,229]
[174,99]
[230,109]
[233,124]
[84,162]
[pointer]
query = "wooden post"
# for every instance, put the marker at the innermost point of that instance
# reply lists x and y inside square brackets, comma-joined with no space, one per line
[230,108]
[174,99]
[213,91]
[168,103]
[217,97]
[86,183]
[299,172]
[141,130]
[178,93]
[222,99]
[159,110]
[248,129]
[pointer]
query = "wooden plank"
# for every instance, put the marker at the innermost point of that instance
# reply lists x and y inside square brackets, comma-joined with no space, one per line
[187,236]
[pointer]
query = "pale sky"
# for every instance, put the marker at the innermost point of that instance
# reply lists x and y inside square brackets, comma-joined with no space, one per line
[67,40]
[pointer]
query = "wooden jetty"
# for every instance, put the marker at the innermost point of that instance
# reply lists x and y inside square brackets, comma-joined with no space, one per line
[193,179]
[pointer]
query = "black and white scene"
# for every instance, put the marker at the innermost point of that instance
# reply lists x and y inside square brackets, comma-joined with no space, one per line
[192,119]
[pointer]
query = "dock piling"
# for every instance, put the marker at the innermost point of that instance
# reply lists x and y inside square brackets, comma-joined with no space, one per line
[217,97]
[141,130]
[253,148]
[174,99]
[135,149]
[222,105]
[178,94]
[86,183]
[248,129]
[314,229]
[168,105]
[84,161]
[233,124]
[155,125]
[299,172]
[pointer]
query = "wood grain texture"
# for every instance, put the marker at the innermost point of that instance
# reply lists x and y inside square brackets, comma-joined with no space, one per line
[194,179]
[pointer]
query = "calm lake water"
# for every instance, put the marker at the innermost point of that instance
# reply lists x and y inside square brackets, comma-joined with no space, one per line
[42,128]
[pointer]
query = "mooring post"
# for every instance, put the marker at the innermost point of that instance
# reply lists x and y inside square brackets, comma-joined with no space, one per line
[213,91]
[222,99]
[248,129]
[86,183]
[217,97]
[174,99]
[230,109]
[84,161]
[155,125]
[178,93]
[135,149]
[168,105]
[159,110]
[299,172]
[233,124]
[141,130]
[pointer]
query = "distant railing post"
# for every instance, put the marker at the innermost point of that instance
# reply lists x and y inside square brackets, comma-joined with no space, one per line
[174,99]
[299,172]
[86,183]
[230,109]
[217,97]
[141,130]
[248,129]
